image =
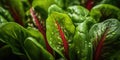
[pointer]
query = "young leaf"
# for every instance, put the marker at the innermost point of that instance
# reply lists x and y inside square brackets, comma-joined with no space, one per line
[59,29]
[105,11]
[55,8]
[77,13]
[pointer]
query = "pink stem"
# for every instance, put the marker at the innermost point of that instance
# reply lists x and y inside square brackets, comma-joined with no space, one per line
[16,16]
[65,43]
[41,29]
[89,4]
[100,46]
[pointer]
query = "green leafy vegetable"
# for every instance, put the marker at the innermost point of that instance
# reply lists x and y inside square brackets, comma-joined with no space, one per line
[105,38]
[36,51]
[55,8]
[81,41]
[15,35]
[55,35]
[105,11]
[77,13]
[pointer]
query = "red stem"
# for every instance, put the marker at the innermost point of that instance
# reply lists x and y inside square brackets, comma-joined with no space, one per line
[65,43]
[100,46]
[89,4]
[16,16]
[41,29]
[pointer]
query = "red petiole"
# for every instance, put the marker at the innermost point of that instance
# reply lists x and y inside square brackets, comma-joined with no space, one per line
[15,16]
[89,4]
[100,46]
[65,43]
[41,29]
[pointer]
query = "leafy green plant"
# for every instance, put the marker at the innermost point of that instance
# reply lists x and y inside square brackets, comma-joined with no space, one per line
[59,30]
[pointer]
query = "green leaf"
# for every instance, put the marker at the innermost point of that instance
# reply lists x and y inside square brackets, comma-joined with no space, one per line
[36,51]
[105,38]
[2,20]
[53,35]
[5,14]
[54,8]
[16,9]
[82,45]
[37,35]
[66,3]
[14,35]
[112,2]
[43,4]
[105,11]
[77,13]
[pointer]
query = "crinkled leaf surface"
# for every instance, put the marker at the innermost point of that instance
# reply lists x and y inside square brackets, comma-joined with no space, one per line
[77,13]
[105,38]
[102,12]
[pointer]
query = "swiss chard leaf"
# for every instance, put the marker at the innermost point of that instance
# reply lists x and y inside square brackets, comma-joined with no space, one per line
[36,51]
[105,38]
[14,35]
[105,11]
[81,41]
[15,7]
[62,30]
[36,34]
[77,13]
[55,8]
[41,6]
[66,3]
[5,14]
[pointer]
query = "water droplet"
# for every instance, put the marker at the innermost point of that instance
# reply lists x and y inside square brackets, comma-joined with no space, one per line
[36,14]
[89,45]
[50,38]
[39,17]
[50,42]
[52,33]
[62,27]
[58,38]
[69,40]
[78,32]
[58,48]
[113,33]
[59,43]
[85,41]
[78,52]
[65,31]
[69,44]
[55,24]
